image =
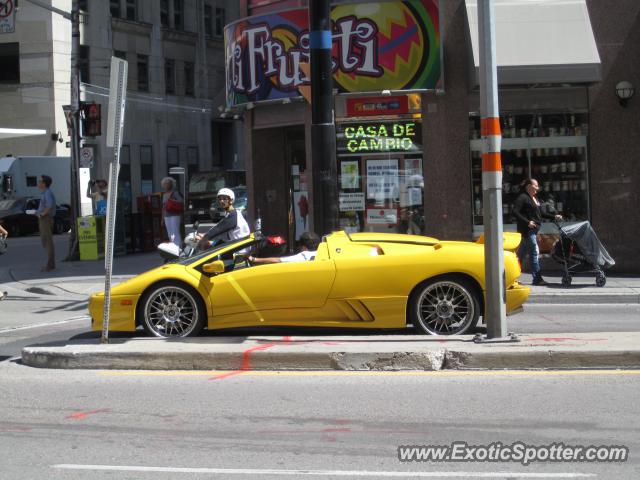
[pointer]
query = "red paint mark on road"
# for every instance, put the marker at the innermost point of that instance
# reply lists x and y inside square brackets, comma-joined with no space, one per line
[83,415]
[334,430]
[246,362]
[565,339]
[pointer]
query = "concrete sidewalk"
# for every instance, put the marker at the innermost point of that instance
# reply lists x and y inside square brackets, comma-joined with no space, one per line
[84,278]
[238,354]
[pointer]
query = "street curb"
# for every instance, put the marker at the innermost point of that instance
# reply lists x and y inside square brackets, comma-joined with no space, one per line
[429,360]
[585,298]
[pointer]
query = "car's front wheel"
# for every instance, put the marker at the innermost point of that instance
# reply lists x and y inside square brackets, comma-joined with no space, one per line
[447,305]
[172,310]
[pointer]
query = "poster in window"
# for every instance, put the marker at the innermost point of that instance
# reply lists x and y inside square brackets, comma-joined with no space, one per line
[382,179]
[301,212]
[349,175]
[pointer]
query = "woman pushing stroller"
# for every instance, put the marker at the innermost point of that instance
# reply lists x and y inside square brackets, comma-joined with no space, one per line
[529,217]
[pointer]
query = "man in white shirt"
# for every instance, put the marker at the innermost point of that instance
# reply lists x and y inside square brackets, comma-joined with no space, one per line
[309,242]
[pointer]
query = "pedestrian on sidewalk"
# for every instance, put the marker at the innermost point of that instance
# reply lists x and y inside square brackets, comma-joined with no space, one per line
[46,211]
[172,208]
[529,217]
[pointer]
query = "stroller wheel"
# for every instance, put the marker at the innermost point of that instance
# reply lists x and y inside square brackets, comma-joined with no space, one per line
[601,280]
[566,280]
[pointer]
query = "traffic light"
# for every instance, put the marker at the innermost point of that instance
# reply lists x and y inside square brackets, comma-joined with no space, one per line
[91,119]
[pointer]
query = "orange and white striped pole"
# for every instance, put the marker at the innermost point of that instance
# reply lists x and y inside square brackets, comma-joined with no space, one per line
[495,301]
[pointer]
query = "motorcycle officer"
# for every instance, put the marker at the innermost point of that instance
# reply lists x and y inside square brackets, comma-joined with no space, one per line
[233,226]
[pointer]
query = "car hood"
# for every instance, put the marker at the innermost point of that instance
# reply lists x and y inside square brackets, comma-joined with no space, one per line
[138,284]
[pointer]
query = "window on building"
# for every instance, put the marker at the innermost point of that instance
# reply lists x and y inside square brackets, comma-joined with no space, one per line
[10,61]
[146,169]
[83,63]
[124,178]
[83,5]
[189,79]
[178,14]
[114,7]
[170,77]
[193,165]
[143,73]
[164,13]
[208,20]
[120,54]
[132,9]
[220,20]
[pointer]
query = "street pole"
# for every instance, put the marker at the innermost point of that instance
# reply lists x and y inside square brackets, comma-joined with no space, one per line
[495,308]
[323,132]
[73,253]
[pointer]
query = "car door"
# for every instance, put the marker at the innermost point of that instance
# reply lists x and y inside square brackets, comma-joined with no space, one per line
[272,286]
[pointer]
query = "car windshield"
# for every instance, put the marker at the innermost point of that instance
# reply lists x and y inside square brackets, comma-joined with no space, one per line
[6,204]
[205,183]
[211,251]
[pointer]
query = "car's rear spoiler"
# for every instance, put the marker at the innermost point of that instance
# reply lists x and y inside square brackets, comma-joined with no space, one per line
[510,240]
[376,237]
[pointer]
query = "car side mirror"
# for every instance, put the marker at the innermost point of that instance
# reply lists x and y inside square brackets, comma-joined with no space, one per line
[214,267]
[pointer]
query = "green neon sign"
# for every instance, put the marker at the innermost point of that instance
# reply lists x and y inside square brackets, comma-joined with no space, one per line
[376,137]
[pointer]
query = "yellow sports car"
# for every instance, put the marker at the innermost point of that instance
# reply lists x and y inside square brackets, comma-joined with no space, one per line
[358,280]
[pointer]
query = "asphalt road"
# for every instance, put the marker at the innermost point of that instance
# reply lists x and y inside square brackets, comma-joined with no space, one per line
[139,425]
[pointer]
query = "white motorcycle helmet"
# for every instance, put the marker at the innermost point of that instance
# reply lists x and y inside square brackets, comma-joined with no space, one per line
[227,192]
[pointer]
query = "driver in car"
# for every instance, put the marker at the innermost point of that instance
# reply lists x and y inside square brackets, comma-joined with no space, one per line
[232,227]
[308,242]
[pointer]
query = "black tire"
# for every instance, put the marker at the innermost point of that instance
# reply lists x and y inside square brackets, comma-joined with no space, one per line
[601,280]
[14,230]
[58,227]
[172,309]
[566,280]
[446,305]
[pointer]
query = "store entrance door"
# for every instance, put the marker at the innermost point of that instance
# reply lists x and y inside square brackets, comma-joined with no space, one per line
[280,181]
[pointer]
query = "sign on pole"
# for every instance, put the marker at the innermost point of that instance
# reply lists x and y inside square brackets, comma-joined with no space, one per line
[115,125]
[7,16]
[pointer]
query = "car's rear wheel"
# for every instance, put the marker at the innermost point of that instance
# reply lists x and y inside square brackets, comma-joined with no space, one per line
[172,310]
[58,227]
[448,305]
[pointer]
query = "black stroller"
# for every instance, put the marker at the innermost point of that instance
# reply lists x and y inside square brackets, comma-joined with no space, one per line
[579,251]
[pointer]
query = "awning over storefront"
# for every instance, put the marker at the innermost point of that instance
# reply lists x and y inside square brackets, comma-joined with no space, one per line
[539,41]
[19,132]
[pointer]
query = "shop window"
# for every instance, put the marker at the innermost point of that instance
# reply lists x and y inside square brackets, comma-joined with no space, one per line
[208,20]
[220,20]
[550,147]
[170,77]
[189,79]
[380,178]
[146,169]
[143,73]
[10,60]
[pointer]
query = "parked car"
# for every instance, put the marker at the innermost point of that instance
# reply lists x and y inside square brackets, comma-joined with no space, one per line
[15,219]
[365,280]
[240,204]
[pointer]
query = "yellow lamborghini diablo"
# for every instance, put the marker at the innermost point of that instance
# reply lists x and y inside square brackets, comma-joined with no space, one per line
[359,280]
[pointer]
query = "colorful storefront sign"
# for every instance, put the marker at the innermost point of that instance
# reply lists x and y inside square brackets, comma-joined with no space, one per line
[386,45]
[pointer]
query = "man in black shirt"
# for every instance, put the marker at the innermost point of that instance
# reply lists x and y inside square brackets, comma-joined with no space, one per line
[529,216]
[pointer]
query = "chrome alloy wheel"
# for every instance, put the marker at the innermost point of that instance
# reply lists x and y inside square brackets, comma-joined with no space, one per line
[171,311]
[446,308]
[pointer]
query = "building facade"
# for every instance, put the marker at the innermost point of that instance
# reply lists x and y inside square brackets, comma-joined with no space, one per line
[562,122]
[175,101]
